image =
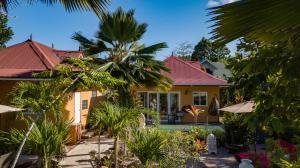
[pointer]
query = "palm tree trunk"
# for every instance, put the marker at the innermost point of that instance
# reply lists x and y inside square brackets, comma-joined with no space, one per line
[116,144]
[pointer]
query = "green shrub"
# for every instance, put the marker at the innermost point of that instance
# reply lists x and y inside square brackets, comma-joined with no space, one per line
[200,133]
[236,130]
[179,149]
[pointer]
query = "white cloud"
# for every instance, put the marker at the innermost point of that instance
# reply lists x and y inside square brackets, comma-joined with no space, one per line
[213,3]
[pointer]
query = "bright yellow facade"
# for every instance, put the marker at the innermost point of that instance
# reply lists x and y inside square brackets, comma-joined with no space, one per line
[10,120]
[185,94]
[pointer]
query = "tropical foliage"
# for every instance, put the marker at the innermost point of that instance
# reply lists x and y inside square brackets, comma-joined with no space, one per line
[266,66]
[118,119]
[123,56]
[272,21]
[46,140]
[45,101]
[148,145]
[98,6]
[6,32]
[206,49]
[270,40]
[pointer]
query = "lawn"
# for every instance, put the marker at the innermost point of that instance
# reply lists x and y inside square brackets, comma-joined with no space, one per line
[188,127]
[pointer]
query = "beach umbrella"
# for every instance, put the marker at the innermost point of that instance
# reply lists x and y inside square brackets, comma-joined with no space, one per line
[245,107]
[7,109]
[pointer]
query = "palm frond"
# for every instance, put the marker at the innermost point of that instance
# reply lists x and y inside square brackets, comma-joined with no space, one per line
[267,21]
[98,6]
[152,49]
[147,145]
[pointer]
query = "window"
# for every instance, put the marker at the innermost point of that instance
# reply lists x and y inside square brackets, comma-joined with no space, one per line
[200,98]
[94,93]
[84,104]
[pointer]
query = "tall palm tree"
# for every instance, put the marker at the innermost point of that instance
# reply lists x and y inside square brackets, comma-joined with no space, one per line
[98,6]
[124,56]
[267,20]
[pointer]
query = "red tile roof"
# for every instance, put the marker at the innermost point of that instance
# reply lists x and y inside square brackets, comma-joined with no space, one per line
[185,73]
[197,64]
[20,60]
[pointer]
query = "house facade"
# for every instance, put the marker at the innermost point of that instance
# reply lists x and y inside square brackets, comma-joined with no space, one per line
[18,62]
[192,85]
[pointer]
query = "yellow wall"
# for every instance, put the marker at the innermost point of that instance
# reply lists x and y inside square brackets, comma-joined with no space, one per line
[186,99]
[8,121]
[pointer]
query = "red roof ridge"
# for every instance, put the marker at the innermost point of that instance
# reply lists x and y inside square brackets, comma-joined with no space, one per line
[35,46]
[185,62]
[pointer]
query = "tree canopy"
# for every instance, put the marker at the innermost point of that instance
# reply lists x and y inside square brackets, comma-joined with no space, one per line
[6,32]
[266,66]
[206,49]
[184,50]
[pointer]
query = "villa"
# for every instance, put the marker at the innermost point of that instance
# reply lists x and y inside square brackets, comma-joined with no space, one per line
[19,61]
[192,85]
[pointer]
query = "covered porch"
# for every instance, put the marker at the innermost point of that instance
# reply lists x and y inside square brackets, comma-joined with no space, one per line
[169,106]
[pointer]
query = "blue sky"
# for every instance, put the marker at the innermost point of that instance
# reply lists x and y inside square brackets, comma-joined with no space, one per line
[170,21]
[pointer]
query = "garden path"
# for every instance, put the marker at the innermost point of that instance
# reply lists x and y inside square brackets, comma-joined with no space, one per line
[79,157]
[221,160]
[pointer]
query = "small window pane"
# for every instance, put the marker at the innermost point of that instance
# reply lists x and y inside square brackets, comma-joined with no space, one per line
[94,93]
[84,104]
[200,98]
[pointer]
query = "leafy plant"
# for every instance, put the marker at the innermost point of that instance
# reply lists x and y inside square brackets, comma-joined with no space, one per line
[46,140]
[236,130]
[117,119]
[179,150]
[148,145]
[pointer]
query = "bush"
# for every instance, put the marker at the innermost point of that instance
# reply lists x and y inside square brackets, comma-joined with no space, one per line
[201,134]
[181,147]
[236,131]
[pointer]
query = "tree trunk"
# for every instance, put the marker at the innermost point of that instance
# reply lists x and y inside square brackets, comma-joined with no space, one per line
[99,145]
[116,144]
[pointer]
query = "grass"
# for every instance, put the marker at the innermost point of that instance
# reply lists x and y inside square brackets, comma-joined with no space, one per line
[188,127]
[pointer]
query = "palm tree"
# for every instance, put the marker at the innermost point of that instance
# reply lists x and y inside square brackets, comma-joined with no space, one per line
[124,56]
[117,119]
[46,140]
[98,6]
[272,21]
[148,145]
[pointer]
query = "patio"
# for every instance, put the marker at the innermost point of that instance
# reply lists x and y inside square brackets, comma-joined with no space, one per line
[79,157]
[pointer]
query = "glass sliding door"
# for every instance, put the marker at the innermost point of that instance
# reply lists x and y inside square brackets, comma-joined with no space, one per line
[174,103]
[163,106]
[167,104]
[143,99]
[153,101]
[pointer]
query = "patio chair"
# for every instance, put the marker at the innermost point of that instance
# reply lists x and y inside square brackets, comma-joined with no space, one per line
[6,159]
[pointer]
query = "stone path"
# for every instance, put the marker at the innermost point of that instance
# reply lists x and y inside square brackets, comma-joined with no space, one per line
[221,160]
[79,156]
